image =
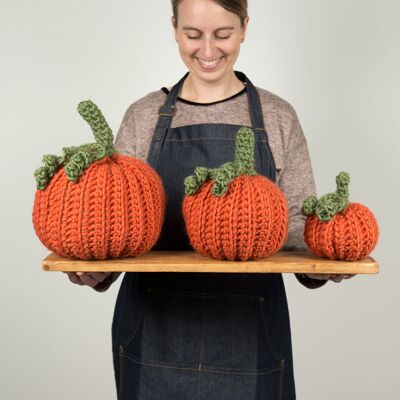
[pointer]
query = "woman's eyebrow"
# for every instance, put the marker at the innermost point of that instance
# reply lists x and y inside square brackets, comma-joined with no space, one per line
[223,28]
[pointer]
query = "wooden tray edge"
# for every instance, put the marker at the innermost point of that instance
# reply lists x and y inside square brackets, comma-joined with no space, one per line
[282,262]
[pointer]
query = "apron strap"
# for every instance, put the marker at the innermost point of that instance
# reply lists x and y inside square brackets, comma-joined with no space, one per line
[165,114]
[167,110]
[255,109]
[257,118]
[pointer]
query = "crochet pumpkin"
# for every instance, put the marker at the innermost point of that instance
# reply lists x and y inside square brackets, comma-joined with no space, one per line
[231,212]
[338,229]
[101,204]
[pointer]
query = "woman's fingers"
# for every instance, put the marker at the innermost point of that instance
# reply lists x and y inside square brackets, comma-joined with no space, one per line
[336,278]
[322,277]
[339,277]
[93,277]
[74,278]
[87,278]
[331,277]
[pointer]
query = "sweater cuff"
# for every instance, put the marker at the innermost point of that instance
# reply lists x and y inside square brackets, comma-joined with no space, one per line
[309,282]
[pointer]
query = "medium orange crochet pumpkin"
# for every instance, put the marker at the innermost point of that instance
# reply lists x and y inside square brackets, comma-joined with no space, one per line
[231,212]
[337,229]
[101,204]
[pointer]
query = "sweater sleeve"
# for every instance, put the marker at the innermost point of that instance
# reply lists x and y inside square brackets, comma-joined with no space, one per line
[125,143]
[297,182]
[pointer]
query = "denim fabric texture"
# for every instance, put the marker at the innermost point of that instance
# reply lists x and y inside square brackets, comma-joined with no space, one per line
[201,336]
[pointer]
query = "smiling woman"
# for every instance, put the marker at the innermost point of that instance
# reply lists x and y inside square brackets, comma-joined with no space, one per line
[209,35]
[209,336]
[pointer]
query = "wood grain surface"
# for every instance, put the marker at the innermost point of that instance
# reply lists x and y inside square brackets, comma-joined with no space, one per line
[190,261]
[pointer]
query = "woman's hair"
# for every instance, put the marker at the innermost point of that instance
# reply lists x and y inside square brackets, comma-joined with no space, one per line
[238,7]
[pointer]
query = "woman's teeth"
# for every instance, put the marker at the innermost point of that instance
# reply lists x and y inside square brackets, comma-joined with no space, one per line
[209,64]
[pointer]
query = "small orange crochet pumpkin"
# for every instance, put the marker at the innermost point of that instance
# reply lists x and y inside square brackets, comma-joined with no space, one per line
[101,204]
[231,212]
[337,229]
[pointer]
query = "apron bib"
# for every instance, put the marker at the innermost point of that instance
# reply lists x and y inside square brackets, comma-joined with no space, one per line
[202,336]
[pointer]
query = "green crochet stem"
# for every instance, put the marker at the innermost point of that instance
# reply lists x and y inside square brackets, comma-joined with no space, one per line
[330,204]
[77,159]
[226,173]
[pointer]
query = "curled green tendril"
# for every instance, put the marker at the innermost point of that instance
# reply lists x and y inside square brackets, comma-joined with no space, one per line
[193,182]
[226,173]
[44,174]
[51,162]
[76,159]
[331,203]
[309,205]
[223,176]
[85,155]
[42,177]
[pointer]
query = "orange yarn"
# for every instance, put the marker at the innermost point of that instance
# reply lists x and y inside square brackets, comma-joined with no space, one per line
[350,235]
[116,209]
[250,221]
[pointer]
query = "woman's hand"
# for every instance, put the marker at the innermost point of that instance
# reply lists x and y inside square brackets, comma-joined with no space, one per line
[331,277]
[87,278]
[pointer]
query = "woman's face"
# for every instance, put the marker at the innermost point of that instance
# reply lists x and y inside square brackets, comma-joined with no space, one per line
[209,38]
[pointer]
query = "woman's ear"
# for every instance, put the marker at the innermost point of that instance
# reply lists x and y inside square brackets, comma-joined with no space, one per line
[173,21]
[245,22]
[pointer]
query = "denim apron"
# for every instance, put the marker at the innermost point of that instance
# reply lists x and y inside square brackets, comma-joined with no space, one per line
[201,336]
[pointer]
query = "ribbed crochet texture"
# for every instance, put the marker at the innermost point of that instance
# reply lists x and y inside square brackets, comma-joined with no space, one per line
[337,229]
[107,208]
[231,212]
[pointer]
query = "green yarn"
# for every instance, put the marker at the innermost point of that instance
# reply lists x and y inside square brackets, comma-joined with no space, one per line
[77,159]
[330,204]
[226,173]
[93,116]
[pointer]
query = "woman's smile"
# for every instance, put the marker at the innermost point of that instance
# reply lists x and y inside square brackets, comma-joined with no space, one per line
[209,65]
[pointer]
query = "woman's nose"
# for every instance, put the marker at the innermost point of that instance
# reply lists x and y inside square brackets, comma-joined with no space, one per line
[208,48]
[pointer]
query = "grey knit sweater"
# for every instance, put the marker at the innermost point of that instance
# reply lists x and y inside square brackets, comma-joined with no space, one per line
[286,139]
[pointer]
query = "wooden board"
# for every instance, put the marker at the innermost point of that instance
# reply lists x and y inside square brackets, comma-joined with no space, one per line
[190,261]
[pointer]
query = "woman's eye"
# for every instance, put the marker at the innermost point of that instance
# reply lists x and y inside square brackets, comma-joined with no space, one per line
[199,37]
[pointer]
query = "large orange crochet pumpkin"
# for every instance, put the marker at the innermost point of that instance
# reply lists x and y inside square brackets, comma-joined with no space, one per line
[231,212]
[101,204]
[337,229]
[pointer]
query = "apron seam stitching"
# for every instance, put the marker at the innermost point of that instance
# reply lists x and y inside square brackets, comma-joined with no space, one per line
[149,364]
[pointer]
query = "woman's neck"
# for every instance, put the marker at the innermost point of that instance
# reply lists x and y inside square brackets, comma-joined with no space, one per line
[198,91]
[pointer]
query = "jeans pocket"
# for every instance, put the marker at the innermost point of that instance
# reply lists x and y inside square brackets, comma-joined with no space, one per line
[218,332]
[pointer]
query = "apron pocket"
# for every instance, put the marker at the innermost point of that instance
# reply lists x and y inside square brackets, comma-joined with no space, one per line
[235,335]
[215,332]
[168,330]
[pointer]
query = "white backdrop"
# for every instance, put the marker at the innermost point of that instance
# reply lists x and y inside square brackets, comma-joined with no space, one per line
[337,62]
